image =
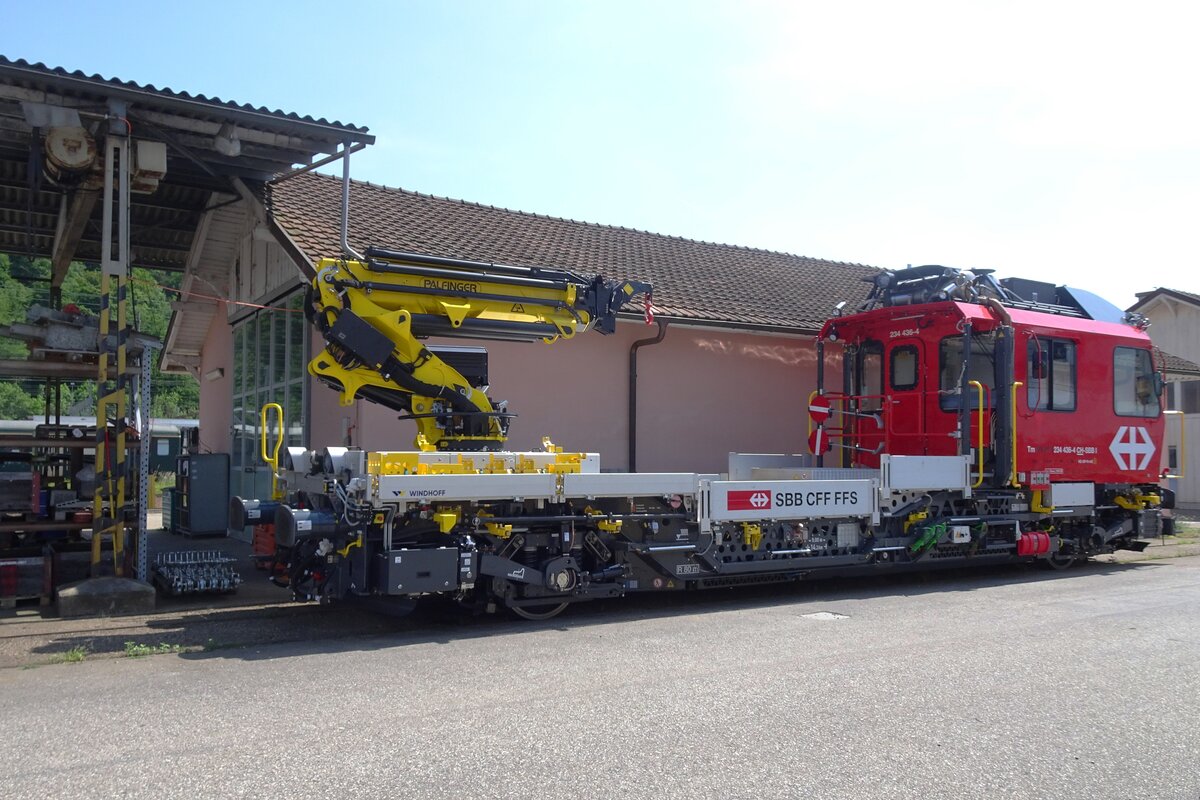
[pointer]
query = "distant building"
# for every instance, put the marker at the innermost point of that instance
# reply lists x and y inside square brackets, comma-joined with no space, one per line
[1175,327]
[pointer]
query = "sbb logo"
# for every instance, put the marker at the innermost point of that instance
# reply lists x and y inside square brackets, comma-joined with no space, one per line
[749,500]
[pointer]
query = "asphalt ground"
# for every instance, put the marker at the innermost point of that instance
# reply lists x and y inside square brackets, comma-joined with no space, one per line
[999,682]
[260,612]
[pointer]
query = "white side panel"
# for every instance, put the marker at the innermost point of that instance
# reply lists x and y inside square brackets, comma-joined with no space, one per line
[417,488]
[743,465]
[753,500]
[625,484]
[1070,495]
[926,472]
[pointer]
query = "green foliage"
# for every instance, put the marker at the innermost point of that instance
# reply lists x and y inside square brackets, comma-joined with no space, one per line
[72,656]
[137,650]
[16,403]
[81,287]
[182,401]
[15,298]
[25,281]
[152,306]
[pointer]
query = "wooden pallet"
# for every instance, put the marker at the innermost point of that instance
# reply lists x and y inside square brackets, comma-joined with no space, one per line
[13,602]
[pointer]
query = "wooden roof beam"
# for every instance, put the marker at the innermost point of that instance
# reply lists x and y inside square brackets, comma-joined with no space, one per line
[71,225]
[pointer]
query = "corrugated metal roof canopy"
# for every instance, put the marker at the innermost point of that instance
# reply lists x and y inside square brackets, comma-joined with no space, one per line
[40,218]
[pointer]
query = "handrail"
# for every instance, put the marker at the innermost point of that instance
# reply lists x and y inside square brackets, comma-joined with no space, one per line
[814,393]
[1182,459]
[979,450]
[838,402]
[273,459]
[1012,478]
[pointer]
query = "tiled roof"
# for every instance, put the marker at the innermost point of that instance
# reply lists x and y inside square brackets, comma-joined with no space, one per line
[1176,366]
[19,70]
[1145,297]
[700,282]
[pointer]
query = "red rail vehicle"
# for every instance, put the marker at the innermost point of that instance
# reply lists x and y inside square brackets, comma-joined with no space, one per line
[1053,392]
[975,421]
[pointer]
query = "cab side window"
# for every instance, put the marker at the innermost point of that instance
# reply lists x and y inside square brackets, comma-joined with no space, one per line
[1136,386]
[1050,375]
[981,368]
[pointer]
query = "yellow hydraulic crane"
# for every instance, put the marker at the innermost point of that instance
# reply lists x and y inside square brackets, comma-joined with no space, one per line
[375,313]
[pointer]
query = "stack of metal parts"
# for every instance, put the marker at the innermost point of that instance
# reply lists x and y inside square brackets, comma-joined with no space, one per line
[195,571]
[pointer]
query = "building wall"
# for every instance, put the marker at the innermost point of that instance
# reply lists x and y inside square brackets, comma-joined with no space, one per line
[1175,327]
[701,394]
[329,423]
[216,396]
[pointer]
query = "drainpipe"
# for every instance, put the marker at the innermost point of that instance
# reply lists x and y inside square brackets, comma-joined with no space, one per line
[633,352]
[346,248]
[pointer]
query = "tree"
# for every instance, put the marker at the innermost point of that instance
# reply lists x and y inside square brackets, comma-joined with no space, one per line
[16,403]
[15,298]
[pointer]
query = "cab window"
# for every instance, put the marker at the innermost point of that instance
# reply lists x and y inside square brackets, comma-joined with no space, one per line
[981,367]
[905,368]
[1050,376]
[1136,387]
[870,376]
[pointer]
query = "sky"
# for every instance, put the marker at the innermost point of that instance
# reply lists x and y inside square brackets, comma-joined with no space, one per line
[1051,140]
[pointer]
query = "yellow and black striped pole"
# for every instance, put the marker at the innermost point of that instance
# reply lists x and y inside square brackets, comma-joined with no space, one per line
[108,503]
[109,499]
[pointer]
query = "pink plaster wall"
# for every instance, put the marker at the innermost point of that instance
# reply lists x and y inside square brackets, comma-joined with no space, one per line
[369,426]
[702,394]
[216,397]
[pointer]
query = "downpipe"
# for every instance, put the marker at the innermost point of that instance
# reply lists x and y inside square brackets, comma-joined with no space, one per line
[349,251]
[633,394]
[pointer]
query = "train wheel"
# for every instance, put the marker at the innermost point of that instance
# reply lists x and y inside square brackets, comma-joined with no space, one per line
[539,612]
[1061,561]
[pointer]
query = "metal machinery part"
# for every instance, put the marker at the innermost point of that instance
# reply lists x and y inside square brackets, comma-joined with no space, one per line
[196,571]
[537,531]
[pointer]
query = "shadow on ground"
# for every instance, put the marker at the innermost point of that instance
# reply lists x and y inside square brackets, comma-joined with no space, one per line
[243,633]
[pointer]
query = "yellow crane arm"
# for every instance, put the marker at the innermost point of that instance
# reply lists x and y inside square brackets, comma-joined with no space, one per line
[373,315]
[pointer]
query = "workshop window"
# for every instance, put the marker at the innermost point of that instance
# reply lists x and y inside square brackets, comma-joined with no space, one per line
[1050,375]
[270,354]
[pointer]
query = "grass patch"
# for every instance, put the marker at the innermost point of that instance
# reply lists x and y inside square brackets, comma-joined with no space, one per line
[72,656]
[137,649]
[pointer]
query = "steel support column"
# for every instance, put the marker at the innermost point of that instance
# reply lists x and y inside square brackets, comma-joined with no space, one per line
[144,398]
